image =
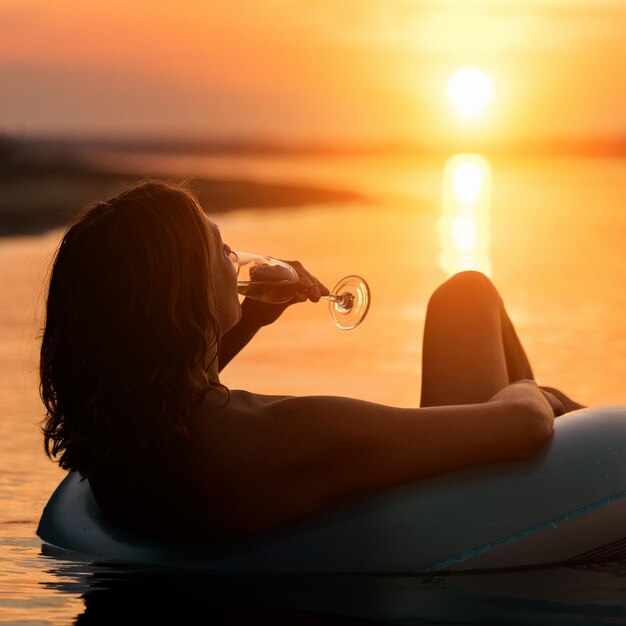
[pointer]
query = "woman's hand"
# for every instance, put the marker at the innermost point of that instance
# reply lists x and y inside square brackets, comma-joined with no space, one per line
[529,391]
[259,313]
[568,403]
[532,408]
[533,402]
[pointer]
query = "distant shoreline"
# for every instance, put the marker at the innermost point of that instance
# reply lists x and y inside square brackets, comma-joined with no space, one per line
[551,146]
[44,182]
[42,188]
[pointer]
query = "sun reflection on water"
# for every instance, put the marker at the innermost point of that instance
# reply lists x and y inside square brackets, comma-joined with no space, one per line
[464,223]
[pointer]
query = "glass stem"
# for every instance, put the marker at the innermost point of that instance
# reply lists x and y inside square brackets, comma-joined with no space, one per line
[345,300]
[339,299]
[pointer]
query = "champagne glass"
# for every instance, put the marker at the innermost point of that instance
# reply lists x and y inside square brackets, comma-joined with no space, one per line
[270,280]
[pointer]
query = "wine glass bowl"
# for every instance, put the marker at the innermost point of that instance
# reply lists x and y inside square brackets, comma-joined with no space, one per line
[264,278]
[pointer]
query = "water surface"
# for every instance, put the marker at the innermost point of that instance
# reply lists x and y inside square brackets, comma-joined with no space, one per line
[555,245]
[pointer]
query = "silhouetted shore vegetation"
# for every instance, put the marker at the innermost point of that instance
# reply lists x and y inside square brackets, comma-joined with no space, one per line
[43,186]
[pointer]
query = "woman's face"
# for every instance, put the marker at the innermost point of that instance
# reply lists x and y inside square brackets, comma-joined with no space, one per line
[224,279]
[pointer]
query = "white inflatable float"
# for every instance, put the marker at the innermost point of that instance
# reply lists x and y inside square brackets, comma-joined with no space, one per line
[566,505]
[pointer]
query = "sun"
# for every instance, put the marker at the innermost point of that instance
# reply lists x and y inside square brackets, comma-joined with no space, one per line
[470,92]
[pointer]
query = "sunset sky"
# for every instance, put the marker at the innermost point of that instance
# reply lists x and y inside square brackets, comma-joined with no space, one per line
[310,70]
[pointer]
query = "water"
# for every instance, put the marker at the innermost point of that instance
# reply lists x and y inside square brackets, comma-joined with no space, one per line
[553,237]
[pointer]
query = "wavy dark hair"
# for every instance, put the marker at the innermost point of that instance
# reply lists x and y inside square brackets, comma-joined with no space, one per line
[130,329]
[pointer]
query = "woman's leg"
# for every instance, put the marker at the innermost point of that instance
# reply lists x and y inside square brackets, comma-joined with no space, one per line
[471,349]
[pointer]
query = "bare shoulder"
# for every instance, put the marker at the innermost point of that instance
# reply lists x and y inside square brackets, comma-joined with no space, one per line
[275,423]
[247,408]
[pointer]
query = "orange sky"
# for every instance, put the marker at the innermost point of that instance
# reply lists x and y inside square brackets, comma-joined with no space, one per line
[296,69]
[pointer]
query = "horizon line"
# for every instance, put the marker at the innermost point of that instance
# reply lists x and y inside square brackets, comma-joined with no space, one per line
[240,145]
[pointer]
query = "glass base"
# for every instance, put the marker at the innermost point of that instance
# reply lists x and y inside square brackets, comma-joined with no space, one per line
[350,302]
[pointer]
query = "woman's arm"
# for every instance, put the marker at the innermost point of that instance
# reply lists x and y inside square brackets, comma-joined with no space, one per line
[232,342]
[256,314]
[280,459]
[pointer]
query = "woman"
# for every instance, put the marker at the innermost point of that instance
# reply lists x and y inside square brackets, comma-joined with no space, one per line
[142,314]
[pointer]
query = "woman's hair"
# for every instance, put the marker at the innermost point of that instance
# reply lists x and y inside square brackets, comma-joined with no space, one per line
[130,326]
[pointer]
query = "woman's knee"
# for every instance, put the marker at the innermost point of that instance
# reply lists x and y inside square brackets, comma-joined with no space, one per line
[464,289]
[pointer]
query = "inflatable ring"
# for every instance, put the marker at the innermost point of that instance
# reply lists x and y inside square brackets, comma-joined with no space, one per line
[565,505]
